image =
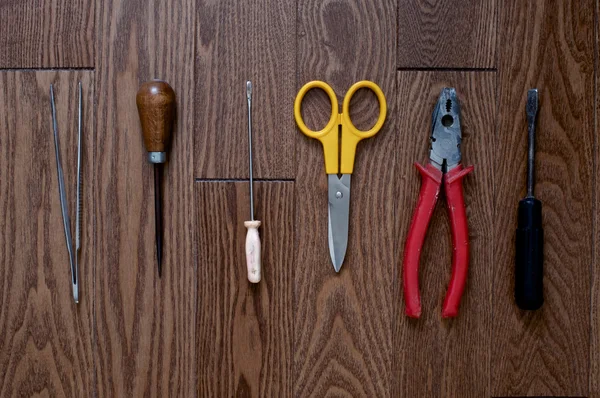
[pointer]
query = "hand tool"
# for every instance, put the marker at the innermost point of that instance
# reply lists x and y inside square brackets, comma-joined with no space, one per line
[444,165]
[156,107]
[252,237]
[73,254]
[339,187]
[529,254]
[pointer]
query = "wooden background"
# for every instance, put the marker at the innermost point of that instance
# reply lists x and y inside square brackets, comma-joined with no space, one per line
[203,330]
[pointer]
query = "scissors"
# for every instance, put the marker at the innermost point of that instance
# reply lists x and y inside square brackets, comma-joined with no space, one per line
[339,187]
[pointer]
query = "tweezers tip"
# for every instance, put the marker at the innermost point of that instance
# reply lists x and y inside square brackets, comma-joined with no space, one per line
[76,293]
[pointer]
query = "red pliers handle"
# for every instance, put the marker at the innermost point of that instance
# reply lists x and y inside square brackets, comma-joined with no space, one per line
[430,189]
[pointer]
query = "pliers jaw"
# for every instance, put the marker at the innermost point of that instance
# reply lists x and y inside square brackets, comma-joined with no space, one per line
[446,135]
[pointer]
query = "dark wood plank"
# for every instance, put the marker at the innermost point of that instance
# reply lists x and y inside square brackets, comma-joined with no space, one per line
[46,339]
[437,357]
[551,47]
[343,322]
[47,34]
[145,325]
[447,34]
[239,41]
[244,334]
[594,369]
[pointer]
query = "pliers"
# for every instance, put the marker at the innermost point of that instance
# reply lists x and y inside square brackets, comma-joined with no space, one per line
[444,165]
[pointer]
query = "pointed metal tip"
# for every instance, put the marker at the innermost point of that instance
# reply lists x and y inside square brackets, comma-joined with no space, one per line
[248,89]
[336,261]
[76,292]
[448,92]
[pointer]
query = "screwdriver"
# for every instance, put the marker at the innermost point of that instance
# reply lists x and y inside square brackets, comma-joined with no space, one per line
[529,255]
[252,237]
[156,107]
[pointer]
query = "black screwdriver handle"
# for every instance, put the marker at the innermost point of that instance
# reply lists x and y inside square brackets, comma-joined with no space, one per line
[529,261]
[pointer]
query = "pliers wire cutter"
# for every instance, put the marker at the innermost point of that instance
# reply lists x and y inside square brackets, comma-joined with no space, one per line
[444,165]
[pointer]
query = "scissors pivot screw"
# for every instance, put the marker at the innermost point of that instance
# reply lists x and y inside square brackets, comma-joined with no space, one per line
[339,195]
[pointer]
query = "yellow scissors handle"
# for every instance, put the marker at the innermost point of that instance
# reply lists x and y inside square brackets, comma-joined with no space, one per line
[329,141]
[350,134]
[349,141]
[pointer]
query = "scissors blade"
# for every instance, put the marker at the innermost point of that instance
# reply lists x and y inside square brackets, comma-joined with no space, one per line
[339,213]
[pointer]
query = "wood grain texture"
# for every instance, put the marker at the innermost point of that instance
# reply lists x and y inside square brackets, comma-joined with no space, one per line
[545,352]
[145,325]
[594,369]
[46,339]
[239,41]
[437,357]
[447,34]
[47,34]
[343,322]
[245,330]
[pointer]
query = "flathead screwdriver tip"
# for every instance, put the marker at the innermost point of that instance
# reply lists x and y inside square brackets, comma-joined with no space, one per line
[532,102]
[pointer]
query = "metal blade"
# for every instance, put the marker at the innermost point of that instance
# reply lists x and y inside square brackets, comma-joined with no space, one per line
[339,213]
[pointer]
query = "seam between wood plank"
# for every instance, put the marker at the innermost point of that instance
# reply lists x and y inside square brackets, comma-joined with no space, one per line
[244,180]
[48,69]
[434,69]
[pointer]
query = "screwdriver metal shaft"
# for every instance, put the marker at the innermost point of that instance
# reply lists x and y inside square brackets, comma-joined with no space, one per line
[532,109]
[529,253]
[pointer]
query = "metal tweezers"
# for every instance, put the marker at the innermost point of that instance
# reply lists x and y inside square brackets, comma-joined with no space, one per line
[73,255]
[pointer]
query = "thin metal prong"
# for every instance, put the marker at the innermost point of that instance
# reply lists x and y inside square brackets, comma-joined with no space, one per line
[63,197]
[249,98]
[79,187]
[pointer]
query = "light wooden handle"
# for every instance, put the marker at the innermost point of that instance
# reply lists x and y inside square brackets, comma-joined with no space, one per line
[253,251]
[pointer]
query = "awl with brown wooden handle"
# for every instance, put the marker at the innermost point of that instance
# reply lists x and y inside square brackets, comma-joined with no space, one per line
[156,107]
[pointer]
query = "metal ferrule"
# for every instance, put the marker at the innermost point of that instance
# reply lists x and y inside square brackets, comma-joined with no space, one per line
[157,157]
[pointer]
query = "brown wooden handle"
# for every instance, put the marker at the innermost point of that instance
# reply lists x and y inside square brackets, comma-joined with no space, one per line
[156,107]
